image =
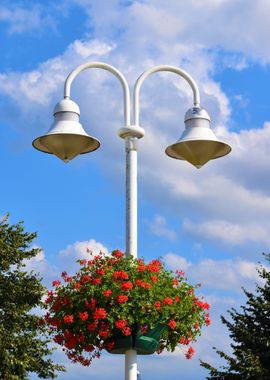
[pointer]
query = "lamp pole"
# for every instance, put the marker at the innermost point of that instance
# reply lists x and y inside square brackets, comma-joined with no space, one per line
[67,138]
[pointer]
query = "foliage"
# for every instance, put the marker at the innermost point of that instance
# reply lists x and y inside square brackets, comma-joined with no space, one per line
[110,294]
[250,331]
[22,350]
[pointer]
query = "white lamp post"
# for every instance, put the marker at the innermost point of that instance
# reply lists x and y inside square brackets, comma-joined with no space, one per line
[67,138]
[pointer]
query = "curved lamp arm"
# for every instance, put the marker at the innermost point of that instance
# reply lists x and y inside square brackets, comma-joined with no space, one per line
[173,69]
[113,70]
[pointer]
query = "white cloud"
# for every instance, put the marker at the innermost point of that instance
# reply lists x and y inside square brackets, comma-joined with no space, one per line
[206,23]
[234,191]
[229,233]
[228,275]
[40,85]
[177,262]
[68,256]
[203,24]
[82,249]
[88,49]
[159,227]
[65,260]
[41,266]
[22,19]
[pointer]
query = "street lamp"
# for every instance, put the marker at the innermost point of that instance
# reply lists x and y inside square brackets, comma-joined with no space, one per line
[66,139]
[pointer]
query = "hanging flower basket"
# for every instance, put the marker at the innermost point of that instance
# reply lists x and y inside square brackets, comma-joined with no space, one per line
[118,303]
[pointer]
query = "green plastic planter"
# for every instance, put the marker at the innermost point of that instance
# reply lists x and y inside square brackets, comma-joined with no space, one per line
[144,344]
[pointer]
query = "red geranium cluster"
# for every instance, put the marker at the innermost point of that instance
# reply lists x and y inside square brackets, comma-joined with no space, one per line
[110,294]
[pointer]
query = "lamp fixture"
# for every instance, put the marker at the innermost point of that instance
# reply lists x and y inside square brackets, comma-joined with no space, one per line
[66,138]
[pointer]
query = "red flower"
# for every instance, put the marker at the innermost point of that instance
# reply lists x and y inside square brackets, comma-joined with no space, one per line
[154,266]
[117,253]
[77,285]
[144,329]
[56,283]
[56,305]
[81,338]
[157,305]
[122,299]
[120,275]
[180,273]
[48,300]
[107,293]
[175,281]
[58,338]
[71,343]
[92,304]
[207,319]
[141,267]
[67,334]
[190,353]
[168,301]
[201,304]
[99,313]
[85,278]
[110,345]
[96,281]
[176,299]
[154,278]
[120,324]
[143,284]
[92,326]
[55,322]
[126,331]
[172,324]
[196,325]
[83,316]
[104,333]
[89,348]
[66,301]
[146,285]
[184,340]
[68,319]
[100,271]
[127,285]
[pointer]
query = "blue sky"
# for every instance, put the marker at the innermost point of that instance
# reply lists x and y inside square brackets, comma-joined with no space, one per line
[212,222]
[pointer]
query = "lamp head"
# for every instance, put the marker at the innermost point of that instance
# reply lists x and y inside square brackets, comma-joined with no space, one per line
[66,138]
[198,143]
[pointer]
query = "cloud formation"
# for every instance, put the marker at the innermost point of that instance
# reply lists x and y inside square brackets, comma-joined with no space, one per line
[19,19]
[229,275]
[227,200]
[159,228]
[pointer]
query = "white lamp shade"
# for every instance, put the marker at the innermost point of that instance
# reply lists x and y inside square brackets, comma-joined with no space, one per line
[66,139]
[198,143]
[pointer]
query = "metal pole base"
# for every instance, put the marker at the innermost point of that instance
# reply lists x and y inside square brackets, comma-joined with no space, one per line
[131,365]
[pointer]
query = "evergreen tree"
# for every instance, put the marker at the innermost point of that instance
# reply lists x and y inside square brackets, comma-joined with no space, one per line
[22,348]
[250,331]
